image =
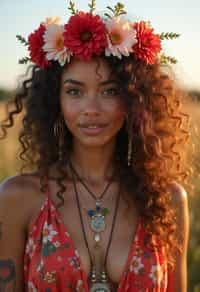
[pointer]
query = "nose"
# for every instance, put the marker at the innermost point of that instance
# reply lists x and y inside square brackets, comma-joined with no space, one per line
[92,106]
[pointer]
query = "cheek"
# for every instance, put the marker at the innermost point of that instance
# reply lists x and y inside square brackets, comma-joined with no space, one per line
[70,111]
[116,119]
[117,112]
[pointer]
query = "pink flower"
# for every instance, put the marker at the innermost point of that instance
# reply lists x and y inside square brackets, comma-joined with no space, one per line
[54,44]
[121,37]
[51,20]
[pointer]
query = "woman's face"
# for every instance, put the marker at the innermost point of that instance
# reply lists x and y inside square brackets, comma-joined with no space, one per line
[90,102]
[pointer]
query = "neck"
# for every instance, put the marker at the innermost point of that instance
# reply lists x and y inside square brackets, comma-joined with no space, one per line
[94,165]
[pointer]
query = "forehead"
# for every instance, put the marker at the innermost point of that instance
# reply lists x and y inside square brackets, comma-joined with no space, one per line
[93,70]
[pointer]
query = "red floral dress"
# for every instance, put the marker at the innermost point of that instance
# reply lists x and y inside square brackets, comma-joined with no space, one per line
[52,262]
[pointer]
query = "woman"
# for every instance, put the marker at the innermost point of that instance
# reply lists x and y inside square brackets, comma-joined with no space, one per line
[101,207]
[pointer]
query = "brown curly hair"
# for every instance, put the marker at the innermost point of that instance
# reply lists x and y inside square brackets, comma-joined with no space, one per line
[157,124]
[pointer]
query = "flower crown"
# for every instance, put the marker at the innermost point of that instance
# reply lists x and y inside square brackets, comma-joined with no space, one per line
[86,34]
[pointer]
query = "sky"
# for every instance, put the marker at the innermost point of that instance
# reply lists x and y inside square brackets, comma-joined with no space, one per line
[181,16]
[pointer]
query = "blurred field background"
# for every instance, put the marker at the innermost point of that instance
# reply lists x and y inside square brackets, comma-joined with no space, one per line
[10,163]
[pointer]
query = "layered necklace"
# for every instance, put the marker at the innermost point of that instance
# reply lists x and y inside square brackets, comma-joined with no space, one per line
[98,279]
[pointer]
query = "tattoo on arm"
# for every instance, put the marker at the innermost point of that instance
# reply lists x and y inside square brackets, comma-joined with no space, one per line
[7,275]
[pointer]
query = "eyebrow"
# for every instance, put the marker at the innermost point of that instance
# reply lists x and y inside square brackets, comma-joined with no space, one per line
[72,81]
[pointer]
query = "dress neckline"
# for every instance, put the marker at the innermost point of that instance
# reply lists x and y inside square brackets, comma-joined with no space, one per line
[51,206]
[73,244]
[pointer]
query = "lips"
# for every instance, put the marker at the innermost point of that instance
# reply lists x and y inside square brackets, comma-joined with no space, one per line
[92,128]
[97,125]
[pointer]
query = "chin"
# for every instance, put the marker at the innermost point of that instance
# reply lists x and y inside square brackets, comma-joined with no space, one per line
[95,141]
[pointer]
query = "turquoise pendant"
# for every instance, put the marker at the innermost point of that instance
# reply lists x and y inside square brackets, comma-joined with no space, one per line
[97,218]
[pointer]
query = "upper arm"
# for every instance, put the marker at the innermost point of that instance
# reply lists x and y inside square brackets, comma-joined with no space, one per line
[12,237]
[178,278]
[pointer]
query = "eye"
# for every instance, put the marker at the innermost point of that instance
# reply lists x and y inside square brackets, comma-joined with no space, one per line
[112,91]
[73,91]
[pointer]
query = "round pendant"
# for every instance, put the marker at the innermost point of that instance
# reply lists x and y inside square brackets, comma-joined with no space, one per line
[100,287]
[97,223]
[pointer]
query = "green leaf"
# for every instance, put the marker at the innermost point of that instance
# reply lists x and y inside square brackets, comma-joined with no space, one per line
[24,60]
[119,9]
[72,7]
[111,9]
[92,6]
[22,40]
[169,35]
[167,59]
[107,15]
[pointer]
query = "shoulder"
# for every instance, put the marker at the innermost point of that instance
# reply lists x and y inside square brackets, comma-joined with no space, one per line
[19,186]
[20,195]
[178,196]
[177,279]
[179,202]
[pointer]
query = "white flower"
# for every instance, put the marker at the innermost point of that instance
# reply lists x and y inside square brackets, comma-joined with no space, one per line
[52,20]
[59,259]
[156,273]
[67,234]
[30,246]
[79,286]
[40,266]
[54,44]
[121,37]
[77,253]
[136,264]
[57,244]
[48,232]
[31,287]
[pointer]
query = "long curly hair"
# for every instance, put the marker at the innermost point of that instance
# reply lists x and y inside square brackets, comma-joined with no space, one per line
[157,124]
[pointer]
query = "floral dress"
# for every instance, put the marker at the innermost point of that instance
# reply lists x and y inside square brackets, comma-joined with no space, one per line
[52,262]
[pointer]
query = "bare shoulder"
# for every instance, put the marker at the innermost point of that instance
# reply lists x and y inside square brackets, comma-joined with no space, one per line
[179,197]
[21,195]
[21,186]
[179,201]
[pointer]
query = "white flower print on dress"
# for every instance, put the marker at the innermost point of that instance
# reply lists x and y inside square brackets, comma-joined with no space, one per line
[31,287]
[77,253]
[30,247]
[59,259]
[136,264]
[74,263]
[156,274]
[40,266]
[67,234]
[48,232]
[79,286]
[57,244]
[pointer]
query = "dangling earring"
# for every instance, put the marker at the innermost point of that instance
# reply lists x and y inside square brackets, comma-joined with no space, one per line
[129,143]
[59,134]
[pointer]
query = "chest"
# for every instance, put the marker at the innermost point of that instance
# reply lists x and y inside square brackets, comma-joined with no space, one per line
[117,247]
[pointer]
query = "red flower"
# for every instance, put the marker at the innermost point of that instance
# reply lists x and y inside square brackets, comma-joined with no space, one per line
[85,34]
[36,43]
[148,44]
